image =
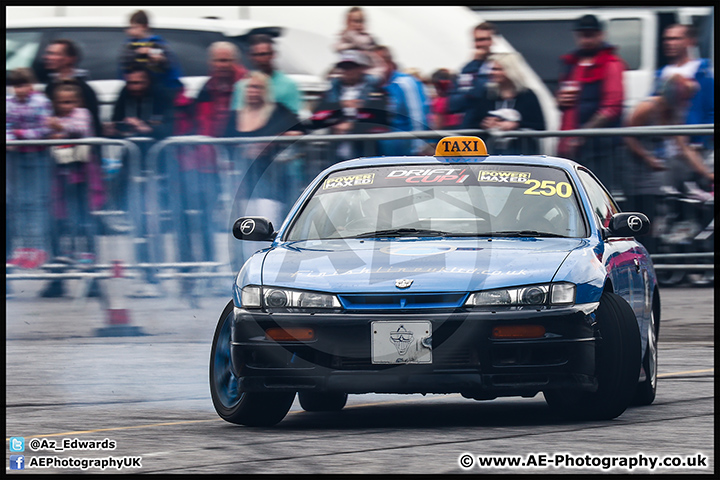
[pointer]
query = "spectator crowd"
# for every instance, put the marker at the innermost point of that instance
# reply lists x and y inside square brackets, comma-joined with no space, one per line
[52,191]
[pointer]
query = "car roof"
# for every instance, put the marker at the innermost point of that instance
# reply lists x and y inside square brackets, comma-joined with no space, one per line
[539,160]
[230,28]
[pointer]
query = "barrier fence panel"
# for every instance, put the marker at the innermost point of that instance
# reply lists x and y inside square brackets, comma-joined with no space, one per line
[58,209]
[179,202]
[678,200]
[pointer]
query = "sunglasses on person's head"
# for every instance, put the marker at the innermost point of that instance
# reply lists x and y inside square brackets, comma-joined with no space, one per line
[261,54]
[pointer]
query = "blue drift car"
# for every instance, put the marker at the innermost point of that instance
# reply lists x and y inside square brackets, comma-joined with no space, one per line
[460,272]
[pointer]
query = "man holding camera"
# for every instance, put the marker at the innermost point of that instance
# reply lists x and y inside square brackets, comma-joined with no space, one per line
[591,95]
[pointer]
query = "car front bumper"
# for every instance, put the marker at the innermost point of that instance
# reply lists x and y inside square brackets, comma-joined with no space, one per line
[465,357]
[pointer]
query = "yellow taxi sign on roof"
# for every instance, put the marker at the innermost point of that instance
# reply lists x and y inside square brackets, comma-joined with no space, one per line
[461,147]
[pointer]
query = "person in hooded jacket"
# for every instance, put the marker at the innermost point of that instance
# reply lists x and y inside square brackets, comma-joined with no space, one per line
[142,109]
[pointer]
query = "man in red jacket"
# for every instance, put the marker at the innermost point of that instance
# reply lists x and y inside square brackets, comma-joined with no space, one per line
[213,101]
[198,169]
[590,96]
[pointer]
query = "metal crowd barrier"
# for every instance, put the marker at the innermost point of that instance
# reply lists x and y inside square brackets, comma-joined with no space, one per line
[137,179]
[312,153]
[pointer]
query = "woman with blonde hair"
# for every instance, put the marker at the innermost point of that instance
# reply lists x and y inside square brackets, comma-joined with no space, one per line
[509,104]
[265,178]
[259,104]
[261,116]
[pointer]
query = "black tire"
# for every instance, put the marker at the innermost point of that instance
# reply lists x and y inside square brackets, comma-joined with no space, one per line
[254,409]
[647,389]
[617,359]
[322,401]
[705,279]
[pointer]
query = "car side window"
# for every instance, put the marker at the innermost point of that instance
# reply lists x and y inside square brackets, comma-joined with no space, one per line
[99,49]
[542,56]
[626,34]
[21,48]
[190,48]
[602,204]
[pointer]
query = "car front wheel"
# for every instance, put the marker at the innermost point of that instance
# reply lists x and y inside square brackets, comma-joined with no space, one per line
[254,409]
[617,359]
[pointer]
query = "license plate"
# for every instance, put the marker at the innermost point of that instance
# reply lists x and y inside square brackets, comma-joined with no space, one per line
[401,342]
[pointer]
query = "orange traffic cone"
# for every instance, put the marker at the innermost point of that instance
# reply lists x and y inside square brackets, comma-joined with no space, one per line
[118,316]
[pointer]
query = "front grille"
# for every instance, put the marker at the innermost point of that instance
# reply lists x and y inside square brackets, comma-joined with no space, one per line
[402,301]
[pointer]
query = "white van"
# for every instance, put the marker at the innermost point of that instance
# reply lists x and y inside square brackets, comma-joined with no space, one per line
[424,38]
[542,35]
[100,40]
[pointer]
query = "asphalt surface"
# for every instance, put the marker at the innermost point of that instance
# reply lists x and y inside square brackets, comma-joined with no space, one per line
[149,394]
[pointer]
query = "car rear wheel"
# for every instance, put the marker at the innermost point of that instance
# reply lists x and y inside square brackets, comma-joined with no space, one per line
[646,390]
[617,359]
[670,278]
[705,279]
[254,409]
[322,401]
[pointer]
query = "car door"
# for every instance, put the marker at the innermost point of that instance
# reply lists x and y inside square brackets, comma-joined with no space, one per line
[623,258]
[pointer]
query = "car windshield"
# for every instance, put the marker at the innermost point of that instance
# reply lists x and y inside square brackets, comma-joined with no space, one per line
[20,49]
[441,200]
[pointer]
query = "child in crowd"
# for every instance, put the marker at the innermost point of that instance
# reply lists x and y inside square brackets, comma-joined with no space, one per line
[77,182]
[28,171]
[355,37]
[150,50]
[440,119]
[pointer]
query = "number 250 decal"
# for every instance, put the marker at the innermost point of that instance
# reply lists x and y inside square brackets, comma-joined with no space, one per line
[548,188]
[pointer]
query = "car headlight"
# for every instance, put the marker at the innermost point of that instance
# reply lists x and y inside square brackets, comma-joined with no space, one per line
[531,295]
[562,294]
[282,299]
[250,297]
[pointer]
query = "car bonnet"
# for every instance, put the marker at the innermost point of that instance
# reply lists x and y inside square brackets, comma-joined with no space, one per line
[428,265]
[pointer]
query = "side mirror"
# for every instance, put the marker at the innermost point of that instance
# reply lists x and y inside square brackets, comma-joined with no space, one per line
[258,229]
[631,224]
